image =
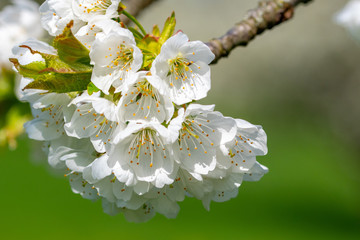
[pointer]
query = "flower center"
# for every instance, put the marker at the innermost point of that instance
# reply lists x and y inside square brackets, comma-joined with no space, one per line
[145,97]
[144,146]
[123,58]
[95,6]
[179,66]
[194,134]
[101,126]
[55,115]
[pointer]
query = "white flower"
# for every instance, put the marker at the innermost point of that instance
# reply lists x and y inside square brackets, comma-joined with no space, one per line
[182,67]
[94,118]
[109,187]
[50,112]
[142,208]
[144,152]
[49,109]
[143,214]
[142,100]
[202,130]
[193,187]
[86,10]
[223,189]
[255,173]
[82,187]
[114,56]
[349,17]
[86,34]
[102,176]
[56,14]
[71,153]
[18,22]
[249,142]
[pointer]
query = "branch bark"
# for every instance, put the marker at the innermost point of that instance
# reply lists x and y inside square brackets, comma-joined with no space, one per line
[134,7]
[266,16]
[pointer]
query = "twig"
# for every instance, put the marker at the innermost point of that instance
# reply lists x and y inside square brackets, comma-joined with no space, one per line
[134,7]
[266,16]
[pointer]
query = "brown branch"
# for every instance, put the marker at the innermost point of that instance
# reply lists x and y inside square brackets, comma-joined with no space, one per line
[134,7]
[266,16]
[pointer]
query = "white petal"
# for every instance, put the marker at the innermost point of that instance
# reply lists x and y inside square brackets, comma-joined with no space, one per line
[100,168]
[256,172]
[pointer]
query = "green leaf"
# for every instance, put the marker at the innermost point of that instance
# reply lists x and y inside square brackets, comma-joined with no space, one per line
[168,29]
[91,88]
[30,70]
[53,74]
[51,61]
[61,82]
[69,71]
[70,50]
[149,44]
[150,48]
[156,31]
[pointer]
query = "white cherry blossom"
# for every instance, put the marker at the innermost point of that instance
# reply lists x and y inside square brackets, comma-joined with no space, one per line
[182,68]
[86,10]
[202,131]
[114,56]
[56,14]
[143,214]
[141,100]
[256,172]
[87,34]
[223,189]
[50,112]
[94,118]
[240,153]
[72,153]
[82,187]
[143,152]
[142,208]
[192,186]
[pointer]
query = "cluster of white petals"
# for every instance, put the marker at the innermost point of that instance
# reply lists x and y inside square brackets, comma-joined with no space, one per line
[90,17]
[18,22]
[349,18]
[140,144]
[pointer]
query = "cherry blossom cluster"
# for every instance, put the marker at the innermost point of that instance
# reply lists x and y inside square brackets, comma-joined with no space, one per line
[134,138]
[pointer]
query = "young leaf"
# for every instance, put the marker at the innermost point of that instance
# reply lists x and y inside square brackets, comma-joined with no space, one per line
[91,88]
[168,29]
[149,44]
[70,50]
[61,82]
[156,31]
[30,70]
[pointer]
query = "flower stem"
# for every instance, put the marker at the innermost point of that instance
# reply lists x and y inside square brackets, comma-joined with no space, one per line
[133,19]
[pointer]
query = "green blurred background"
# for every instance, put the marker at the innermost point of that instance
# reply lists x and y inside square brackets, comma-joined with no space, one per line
[300,81]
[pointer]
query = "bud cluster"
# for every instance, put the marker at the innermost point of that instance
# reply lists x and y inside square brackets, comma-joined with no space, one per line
[115,107]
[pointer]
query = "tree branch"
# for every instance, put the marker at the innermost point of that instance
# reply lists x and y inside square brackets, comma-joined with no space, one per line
[134,7]
[266,16]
